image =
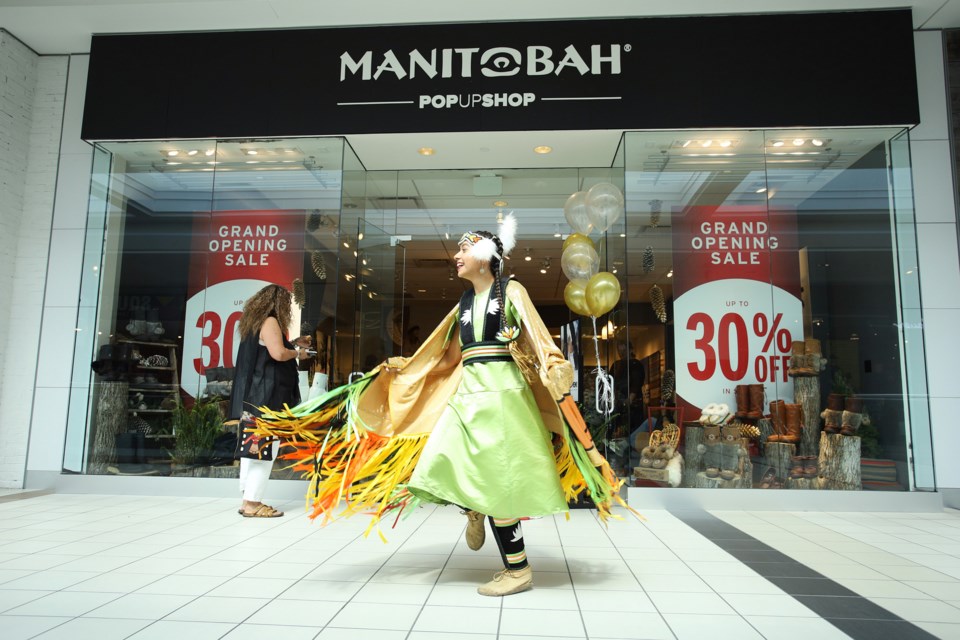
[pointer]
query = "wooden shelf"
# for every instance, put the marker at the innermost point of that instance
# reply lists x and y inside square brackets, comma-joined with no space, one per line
[156,343]
[152,411]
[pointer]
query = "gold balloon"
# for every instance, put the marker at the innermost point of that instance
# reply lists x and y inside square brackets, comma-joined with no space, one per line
[574,294]
[577,237]
[602,293]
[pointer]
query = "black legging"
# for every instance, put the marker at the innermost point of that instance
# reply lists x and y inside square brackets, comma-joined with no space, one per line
[509,535]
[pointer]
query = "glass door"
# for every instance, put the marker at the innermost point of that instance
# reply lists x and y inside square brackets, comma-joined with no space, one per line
[380,322]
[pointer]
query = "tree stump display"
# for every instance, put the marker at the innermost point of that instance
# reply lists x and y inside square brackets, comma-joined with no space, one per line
[778,456]
[766,430]
[692,438]
[804,483]
[839,462]
[743,470]
[806,392]
[111,420]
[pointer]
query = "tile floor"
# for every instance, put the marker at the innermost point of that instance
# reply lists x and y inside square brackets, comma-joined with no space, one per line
[112,567]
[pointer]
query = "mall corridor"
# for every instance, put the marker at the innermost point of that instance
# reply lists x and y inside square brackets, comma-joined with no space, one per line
[111,567]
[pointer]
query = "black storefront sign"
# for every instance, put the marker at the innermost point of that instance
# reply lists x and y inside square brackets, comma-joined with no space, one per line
[756,71]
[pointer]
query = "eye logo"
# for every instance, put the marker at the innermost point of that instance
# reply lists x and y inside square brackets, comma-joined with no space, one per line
[504,60]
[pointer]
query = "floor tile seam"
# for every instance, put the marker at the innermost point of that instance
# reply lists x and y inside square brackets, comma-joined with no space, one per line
[816,613]
[566,562]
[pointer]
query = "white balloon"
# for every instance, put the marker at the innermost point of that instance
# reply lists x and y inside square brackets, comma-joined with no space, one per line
[604,205]
[580,261]
[577,214]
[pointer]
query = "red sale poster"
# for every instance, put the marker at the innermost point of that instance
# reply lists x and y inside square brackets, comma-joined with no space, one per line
[737,302]
[235,254]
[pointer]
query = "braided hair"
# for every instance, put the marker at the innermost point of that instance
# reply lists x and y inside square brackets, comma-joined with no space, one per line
[496,270]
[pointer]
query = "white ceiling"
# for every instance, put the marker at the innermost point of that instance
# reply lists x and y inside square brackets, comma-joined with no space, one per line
[65,26]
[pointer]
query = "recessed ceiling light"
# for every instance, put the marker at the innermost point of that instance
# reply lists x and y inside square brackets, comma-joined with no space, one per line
[686,143]
[542,149]
[500,203]
[725,143]
[706,143]
[426,151]
[251,152]
[192,152]
[798,142]
[173,152]
[777,143]
[170,164]
[762,190]
[817,142]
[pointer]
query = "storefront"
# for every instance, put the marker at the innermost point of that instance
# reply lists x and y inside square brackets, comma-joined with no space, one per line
[766,250]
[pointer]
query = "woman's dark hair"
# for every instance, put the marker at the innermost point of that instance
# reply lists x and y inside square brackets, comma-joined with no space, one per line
[496,270]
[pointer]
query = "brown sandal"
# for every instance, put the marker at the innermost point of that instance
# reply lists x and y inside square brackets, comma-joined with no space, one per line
[262,511]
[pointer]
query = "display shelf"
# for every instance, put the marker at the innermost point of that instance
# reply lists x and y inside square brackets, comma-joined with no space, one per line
[150,411]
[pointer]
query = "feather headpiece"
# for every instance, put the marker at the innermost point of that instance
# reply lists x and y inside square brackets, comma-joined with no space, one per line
[485,249]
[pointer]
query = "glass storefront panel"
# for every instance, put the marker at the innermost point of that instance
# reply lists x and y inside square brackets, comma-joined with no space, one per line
[786,306]
[760,272]
[191,230]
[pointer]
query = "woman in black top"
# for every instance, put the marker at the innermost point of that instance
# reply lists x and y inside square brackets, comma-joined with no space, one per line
[266,376]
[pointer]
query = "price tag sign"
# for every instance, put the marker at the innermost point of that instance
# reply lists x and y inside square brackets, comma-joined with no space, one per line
[737,309]
[235,254]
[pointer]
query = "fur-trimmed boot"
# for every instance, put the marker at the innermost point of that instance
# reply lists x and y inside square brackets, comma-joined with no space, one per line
[797,466]
[832,414]
[476,533]
[852,416]
[814,354]
[507,582]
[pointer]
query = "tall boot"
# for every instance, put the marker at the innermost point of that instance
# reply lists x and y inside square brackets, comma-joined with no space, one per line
[831,415]
[778,416]
[729,451]
[852,416]
[742,393]
[755,411]
[796,357]
[711,456]
[794,423]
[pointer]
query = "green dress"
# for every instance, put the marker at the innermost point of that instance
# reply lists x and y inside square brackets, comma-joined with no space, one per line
[490,451]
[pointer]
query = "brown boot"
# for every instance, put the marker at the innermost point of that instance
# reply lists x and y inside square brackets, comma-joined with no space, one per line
[794,424]
[852,416]
[810,469]
[507,582]
[755,411]
[831,415]
[476,534]
[742,393]
[800,363]
[778,416]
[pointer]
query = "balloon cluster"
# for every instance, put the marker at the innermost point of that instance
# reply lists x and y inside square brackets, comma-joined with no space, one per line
[590,292]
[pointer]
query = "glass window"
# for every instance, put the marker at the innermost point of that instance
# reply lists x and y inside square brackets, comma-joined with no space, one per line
[779,263]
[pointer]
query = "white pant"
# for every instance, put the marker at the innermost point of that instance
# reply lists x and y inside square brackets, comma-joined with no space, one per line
[254,475]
